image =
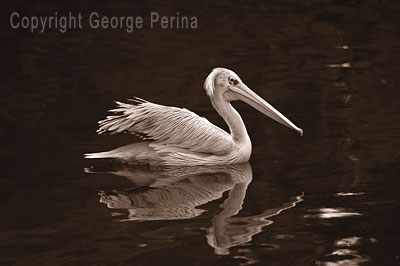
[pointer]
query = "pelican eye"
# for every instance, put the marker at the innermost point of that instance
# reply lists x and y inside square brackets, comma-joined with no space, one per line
[232,81]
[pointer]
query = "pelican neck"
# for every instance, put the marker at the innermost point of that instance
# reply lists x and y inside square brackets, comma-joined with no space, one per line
[232,118]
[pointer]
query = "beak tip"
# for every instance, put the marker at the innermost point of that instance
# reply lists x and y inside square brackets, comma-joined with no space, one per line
[300,131]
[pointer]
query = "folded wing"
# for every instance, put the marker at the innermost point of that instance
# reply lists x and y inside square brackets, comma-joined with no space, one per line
[165,125]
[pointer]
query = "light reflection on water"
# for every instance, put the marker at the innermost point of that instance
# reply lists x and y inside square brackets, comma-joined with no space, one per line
[327,213]
[345,253]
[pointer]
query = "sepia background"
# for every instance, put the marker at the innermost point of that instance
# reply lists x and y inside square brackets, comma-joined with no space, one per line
[327,198]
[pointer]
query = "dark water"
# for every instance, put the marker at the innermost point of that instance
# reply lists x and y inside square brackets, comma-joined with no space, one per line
[327,198]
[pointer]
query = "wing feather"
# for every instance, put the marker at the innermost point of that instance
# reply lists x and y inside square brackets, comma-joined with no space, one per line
[165,125]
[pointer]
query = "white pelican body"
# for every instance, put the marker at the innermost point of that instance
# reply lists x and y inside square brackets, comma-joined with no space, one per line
[178,137]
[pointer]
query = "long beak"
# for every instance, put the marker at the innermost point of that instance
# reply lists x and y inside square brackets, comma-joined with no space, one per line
[251,98]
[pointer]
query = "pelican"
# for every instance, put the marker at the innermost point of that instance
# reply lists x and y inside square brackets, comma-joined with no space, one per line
[178,137]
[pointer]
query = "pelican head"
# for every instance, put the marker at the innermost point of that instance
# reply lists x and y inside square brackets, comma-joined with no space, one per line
[224,84]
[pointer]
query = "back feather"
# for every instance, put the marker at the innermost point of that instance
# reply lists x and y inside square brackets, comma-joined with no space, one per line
[165,125]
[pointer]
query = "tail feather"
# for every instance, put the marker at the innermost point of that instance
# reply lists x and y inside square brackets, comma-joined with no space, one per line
[99,155]
[137,151]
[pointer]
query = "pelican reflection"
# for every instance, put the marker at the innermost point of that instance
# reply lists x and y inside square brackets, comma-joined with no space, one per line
[182,192]
[174,193]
